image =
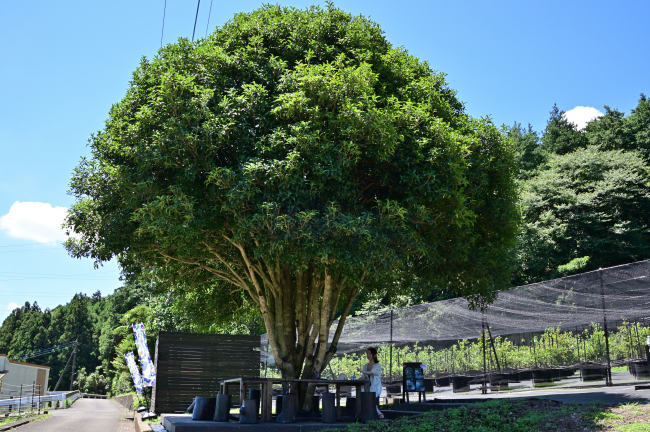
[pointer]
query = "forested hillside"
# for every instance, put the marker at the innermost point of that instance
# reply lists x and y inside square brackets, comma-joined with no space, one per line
[102,327]
[90,320]
[584,194]
[585,204]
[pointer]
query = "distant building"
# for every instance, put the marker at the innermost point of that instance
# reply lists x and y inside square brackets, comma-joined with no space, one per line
[13,374]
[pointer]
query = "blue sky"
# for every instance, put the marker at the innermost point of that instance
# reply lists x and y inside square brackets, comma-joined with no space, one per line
[64,63]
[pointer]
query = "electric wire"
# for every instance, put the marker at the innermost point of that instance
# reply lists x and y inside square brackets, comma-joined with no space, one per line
[209,13]
[44,351]
[30,250]
[196,18]
[32,244]
[162,32]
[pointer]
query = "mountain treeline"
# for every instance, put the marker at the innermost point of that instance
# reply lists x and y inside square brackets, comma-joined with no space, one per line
[584,194]
[89,320]
[102,328]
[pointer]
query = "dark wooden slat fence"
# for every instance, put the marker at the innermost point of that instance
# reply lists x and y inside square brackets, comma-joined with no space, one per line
[191,364]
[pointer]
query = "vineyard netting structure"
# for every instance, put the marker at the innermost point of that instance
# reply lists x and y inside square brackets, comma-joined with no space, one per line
[588,327]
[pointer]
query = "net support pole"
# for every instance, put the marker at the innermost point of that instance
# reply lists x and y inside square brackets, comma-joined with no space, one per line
[577,344]
[608,376]
[629,338]
[484,386]
[390,368]
[494,350]
[637,348]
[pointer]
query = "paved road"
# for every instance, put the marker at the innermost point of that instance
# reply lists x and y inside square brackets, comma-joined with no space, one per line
[85,415]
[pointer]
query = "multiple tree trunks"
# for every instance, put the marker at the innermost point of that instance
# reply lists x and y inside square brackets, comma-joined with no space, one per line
[190,365]
[299,310]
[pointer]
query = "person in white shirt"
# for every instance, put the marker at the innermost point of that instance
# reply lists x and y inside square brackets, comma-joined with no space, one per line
[372,372]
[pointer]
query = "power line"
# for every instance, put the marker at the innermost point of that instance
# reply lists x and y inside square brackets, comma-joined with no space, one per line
[163,25]
[207,26]
[30,250]
[18,279]
[56,274]
[32,244]
[44,351]
[195,19]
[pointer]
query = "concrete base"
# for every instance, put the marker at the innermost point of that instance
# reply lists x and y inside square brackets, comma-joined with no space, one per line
[184,423]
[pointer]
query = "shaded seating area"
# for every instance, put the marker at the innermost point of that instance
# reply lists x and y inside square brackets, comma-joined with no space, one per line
[329,401]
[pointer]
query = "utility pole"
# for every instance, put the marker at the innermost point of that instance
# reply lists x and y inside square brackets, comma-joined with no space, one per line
[74,359]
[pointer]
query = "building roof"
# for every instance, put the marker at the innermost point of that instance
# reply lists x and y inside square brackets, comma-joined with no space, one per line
[22,363]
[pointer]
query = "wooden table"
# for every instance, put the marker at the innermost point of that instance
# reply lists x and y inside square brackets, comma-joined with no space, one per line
[266,398]
[267,390]
[338,383]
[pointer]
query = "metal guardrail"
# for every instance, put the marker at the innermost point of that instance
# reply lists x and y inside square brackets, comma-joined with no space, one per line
[37,400]
[93,396]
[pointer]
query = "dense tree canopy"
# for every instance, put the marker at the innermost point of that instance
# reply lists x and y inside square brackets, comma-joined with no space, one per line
[296,155]
[88,320]
[584,194]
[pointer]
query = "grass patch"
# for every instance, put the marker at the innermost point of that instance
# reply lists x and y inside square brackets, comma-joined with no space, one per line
[32,417]
[40,417]
[521,416]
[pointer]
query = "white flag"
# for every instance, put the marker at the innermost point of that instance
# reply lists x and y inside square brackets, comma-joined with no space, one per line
[148,369]
[135,373]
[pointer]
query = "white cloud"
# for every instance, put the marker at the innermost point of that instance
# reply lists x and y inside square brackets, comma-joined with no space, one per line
[35,221]
[581,115]
[11,306]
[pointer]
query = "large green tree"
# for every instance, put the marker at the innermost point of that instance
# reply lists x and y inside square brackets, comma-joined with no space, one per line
[296,155]
[561,136]
[589,203]
[584,194]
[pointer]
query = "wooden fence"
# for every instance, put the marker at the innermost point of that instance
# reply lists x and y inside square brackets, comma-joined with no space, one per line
[190,364]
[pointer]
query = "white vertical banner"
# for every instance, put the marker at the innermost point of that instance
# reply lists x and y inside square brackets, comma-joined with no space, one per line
[135,372]
[148,369]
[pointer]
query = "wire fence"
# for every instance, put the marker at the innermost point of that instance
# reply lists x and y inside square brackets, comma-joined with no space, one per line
[569,331]
[29,399]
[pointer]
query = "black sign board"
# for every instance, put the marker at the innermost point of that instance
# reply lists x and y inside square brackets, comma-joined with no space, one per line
[412,377]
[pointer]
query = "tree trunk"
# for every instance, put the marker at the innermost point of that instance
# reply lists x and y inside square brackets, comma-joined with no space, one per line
[298,307]
[302,350]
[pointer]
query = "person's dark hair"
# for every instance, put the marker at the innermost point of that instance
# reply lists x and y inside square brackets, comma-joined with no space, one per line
[373,351]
